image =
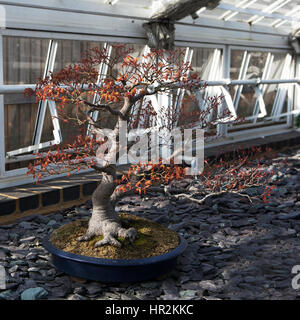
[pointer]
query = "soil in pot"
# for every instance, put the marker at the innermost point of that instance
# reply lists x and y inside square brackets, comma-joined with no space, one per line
[154,240]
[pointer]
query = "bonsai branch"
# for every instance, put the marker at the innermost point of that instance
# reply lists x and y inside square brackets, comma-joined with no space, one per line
[106,107]
[175,193]
[213,194]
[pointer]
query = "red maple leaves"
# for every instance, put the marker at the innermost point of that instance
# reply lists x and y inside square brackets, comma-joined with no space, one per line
[130,80]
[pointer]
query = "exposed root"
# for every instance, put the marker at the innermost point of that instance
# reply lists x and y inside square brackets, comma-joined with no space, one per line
[106,223]
[130,234]
[87,237]
[108,239]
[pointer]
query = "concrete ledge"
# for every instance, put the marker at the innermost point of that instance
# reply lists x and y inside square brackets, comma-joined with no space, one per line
[59,194]
[275,141]
[46,197]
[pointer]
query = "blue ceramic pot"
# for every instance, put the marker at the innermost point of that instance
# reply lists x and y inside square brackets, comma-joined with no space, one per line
[114,270]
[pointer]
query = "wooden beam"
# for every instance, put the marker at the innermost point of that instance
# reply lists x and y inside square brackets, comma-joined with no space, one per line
[180,9]
[160,29]
[40,23]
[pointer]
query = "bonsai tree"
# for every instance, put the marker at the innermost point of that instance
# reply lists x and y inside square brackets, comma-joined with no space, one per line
[123,95]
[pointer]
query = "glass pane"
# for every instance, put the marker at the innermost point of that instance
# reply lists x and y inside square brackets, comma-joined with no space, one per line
[23,59]
[200,60]
[23,63]
[202,64]
[19,125]
[47,131]
[254,70]
[71,51]
[271,89]
[256,65]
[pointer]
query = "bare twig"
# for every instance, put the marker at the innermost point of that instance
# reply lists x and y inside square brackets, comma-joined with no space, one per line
[213,194]
[172,193]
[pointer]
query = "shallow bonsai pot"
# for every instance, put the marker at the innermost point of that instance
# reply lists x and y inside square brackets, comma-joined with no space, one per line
[114,270]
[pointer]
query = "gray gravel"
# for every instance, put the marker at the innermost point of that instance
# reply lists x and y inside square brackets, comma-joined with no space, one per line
[236,249]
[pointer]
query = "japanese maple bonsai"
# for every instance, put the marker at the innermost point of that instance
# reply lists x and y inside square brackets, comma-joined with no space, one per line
[121,94]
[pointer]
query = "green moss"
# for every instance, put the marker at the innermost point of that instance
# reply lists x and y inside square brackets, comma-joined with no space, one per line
[141,240]
[64,233]
[153,240]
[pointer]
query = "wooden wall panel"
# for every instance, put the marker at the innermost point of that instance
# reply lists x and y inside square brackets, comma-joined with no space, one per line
[24,61]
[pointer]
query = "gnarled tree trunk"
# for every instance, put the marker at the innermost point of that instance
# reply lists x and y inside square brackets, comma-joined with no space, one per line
[105,221]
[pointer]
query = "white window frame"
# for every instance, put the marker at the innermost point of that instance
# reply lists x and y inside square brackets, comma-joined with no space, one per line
[42,107]
[221,83]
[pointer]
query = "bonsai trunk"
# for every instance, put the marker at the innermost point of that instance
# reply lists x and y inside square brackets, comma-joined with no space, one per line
[104,220]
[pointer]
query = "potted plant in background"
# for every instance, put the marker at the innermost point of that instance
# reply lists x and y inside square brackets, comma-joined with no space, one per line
[119,247]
